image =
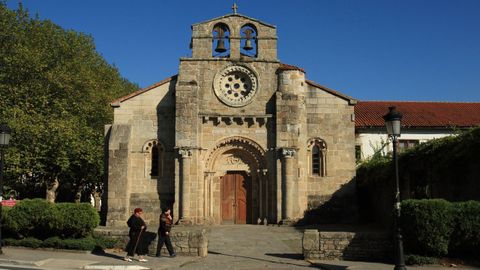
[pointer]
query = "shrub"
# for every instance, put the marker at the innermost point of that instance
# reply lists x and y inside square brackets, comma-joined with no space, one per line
[7,224]
[419,260]
[33,218]
[466,236]
[87,243]
[78,219]
[103,242]
[52,242]
[427,226]
[25,242]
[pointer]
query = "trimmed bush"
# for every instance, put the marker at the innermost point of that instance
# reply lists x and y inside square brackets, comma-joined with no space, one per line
[33,218]
[78,220]
[87,243]
[52,242]
[466,235]
[427,226]
[104,242]
[30,242]
[419,260]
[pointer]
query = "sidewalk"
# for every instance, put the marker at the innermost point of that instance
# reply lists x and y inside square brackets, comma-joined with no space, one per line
[112,259]
[352,265]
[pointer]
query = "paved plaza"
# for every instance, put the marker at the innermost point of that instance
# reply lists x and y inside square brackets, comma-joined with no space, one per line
[235,247]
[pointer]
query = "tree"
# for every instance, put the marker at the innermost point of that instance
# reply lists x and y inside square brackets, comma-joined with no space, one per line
[55,91]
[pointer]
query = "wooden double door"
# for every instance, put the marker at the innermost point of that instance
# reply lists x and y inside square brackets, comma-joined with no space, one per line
[236,198]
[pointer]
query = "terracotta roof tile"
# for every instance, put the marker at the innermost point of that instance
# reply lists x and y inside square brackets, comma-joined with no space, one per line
[117,101]
[419,114]
[289,67]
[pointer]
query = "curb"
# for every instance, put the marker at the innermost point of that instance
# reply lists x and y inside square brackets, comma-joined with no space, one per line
[115,267]
[17,262]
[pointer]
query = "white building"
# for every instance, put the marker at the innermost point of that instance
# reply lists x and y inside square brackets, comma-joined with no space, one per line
[421,122]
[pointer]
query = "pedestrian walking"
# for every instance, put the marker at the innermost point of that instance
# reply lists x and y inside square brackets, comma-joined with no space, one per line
[137,228]
[166,224]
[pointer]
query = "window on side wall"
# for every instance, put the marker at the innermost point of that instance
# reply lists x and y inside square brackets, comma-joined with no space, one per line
[406,144]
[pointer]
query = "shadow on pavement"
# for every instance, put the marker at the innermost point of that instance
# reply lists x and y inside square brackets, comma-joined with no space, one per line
[293,256]
[106,254]
[329,266]
[265,260]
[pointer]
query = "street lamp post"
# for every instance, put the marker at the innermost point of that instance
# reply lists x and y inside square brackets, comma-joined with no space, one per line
[4,140]
[393,121]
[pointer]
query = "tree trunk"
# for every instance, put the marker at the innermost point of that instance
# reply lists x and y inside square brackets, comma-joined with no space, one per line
[78,195]
[52,190]
[97,197]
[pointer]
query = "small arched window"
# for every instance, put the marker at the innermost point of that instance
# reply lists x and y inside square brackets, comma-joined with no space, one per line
[318,162]
[221,40]
[248,43]
[155,161]
[154,158]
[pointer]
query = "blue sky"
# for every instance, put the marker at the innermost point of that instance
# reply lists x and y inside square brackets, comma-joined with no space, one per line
[420,50]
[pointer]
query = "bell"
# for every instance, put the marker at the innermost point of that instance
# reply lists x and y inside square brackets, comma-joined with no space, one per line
[248,45]
[220,46]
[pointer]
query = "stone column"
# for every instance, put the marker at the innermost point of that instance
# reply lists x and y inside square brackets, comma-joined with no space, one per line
[288,184]
[185,185]
[207,209]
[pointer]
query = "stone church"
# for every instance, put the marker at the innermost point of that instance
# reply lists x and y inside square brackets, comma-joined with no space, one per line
[236,137]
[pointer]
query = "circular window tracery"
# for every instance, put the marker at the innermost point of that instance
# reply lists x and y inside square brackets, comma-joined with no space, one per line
[235,86]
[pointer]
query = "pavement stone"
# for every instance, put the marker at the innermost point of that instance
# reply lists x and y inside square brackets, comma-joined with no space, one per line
[231,247]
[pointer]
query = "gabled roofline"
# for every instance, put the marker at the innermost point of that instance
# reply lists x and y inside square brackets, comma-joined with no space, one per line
[284,66]
[351,101]
[236,15]
[116,102]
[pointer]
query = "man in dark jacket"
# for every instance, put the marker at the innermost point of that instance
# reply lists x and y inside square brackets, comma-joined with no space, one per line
[137,227]
[164,232]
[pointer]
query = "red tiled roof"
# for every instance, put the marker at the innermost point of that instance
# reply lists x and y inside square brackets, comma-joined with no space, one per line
[419,114]
[117,101]
[289,67]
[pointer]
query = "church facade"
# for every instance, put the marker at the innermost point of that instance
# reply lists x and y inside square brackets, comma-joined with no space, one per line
[235,137]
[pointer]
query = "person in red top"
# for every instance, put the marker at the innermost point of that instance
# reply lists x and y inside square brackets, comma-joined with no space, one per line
[166,223]
[137,227]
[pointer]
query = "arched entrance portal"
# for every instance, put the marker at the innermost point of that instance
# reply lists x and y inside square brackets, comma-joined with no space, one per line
[235,182]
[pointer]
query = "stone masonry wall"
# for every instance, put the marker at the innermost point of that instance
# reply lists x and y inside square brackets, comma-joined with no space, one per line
[345,245]
[185,240]
[329,118]
[149,116]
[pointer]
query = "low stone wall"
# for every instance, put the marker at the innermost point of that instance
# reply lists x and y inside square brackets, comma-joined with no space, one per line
[185,240]
[369,246]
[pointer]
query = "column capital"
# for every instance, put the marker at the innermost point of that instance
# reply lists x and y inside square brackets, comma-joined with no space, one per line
[262,172]
[209,173]
[185,152]
[288,152]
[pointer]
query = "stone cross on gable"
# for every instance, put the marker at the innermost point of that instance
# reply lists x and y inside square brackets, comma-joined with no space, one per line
[234,8]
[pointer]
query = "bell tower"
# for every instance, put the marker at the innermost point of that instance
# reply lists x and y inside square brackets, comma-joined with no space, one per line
[234,36]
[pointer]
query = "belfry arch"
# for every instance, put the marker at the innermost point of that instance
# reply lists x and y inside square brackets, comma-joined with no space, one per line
[236,165]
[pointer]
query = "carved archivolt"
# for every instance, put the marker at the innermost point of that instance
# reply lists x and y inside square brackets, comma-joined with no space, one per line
[248,146]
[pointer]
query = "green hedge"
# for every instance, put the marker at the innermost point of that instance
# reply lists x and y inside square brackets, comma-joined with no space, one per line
[33,218]
[437,227]
[86,243]
[466,235]
[427,226]
[78,220]
[40,219]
